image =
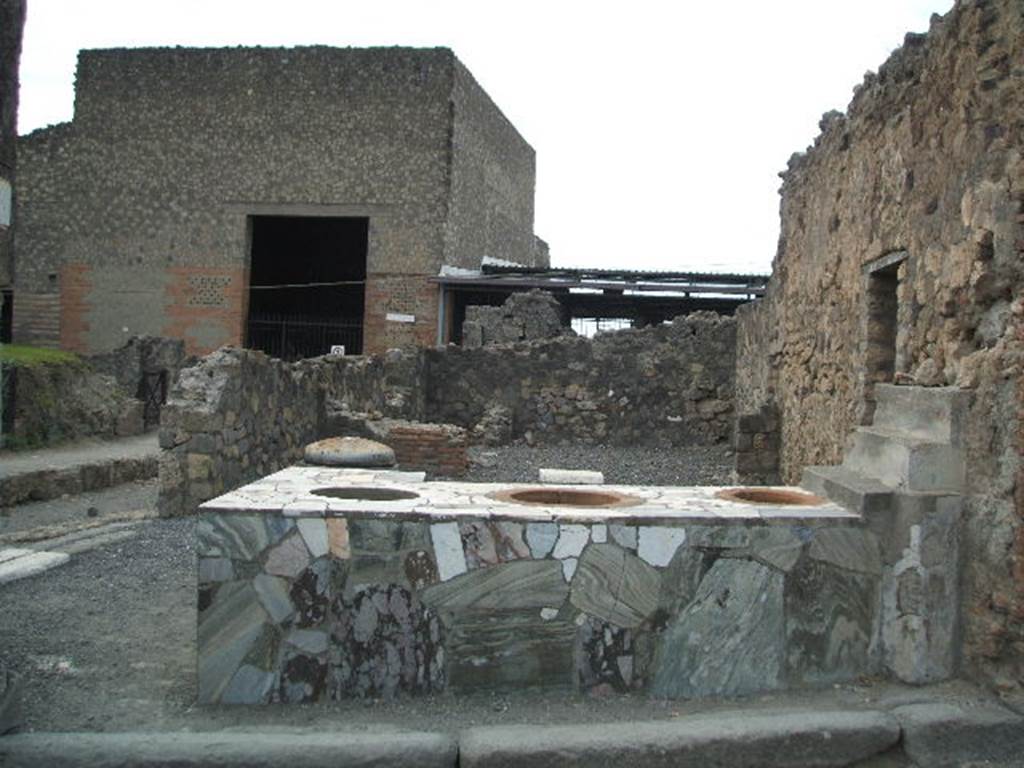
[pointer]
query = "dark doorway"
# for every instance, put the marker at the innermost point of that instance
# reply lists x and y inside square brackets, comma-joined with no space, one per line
[882,326]
[306,285]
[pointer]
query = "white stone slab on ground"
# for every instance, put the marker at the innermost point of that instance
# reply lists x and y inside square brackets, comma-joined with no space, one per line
[571,476]
[21,563]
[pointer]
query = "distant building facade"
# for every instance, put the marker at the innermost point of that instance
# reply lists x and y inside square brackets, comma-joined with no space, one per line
[255,195]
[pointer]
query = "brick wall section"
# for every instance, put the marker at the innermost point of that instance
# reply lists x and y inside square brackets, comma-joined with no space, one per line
[75,287]
[206,306]
[399,294]
[437,449]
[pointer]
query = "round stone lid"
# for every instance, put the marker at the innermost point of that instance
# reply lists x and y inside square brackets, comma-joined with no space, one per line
[349,452]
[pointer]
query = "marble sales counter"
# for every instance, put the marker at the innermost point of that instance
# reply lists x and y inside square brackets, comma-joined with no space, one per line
[318,583]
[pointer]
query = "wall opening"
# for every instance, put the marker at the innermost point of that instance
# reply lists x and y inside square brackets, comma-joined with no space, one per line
[307,285]
[882,326]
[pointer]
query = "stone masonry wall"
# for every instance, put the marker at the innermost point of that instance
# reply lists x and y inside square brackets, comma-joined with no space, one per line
[523,317]
[492,178]
[924,170]
[236,416]
[669,385]
[239,415]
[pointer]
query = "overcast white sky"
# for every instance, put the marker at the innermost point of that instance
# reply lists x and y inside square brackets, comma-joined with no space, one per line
[659,127]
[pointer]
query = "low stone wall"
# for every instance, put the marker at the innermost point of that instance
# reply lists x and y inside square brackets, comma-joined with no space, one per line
[140,355]
[667,385]
[239,415]
[53,483]
[236,416]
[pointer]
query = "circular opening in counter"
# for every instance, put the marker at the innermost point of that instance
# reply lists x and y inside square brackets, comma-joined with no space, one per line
[777,496]
[565,497]
[365,494]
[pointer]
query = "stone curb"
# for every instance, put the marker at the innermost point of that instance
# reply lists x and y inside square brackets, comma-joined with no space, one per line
[21,563]
[739,740]
[45,484]
[310,749]
[940,735]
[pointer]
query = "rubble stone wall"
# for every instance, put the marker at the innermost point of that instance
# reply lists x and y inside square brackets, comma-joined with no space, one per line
[54,402]
[239,415]
[523,317]
[667,385]
[925,170]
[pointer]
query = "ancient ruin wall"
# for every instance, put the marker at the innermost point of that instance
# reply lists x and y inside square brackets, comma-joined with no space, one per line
[927,163]
[136,213]
[239,415]
[669,385]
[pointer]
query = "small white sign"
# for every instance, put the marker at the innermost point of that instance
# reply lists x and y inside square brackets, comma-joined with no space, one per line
[5,203]
[397,317]
[337,349]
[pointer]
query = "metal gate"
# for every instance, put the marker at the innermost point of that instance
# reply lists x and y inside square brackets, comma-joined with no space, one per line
[293,337]
[153,394]
[8,395]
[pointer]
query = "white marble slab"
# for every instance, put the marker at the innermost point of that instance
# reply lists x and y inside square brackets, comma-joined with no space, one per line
[291,492]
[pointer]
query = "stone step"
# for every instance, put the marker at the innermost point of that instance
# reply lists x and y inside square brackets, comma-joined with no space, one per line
[905,462]
[928,413]
[851,490]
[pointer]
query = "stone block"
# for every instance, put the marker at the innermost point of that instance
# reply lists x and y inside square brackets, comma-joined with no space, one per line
[504,648]
[615,585]
[831,624]
[570,477]
[730,640]
[522,584]
[228,629]
[11,716]
[944,735]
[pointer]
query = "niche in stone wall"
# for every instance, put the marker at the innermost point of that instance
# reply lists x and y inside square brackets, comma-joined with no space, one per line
[881,317]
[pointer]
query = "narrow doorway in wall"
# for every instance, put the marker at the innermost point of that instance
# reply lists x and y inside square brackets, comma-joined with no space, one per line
[882,320]
[307,281]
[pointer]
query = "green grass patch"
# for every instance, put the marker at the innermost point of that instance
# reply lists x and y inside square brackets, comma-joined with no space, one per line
[21,355]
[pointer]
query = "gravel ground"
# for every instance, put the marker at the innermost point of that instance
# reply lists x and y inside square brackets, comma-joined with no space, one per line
[695,465]
[69,509]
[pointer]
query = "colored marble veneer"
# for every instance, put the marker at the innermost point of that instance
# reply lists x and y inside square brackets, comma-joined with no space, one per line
[319,583]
